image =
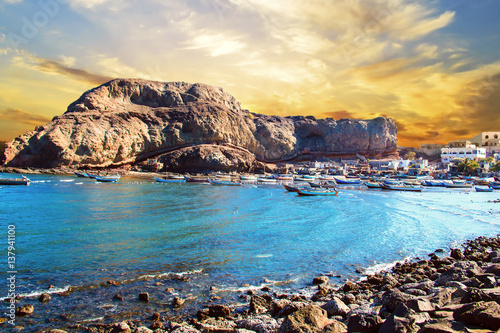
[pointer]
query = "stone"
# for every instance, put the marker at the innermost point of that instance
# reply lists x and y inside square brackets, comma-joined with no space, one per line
[156,325]
[321,280]
[144,297]
[486,314]
[259,304]
[291,308]
[120,328]
[177,302]
[170,290]
[278,305]
[335,307]
[125,121]
[364,323]
[219,311]
[420,305]
[185,329]
[348,299]
[442,297]
[457,254]
[308,319]
[25,310]
[335,327]
[220,325]
[142,329]
[259,324]
[403,320]
[44,298]
[392,298]
[443,326]
[118,297]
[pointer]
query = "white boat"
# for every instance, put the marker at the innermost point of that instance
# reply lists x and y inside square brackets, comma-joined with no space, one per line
[410,188]
[266,180]
[15,181]
[107,179]
[458,184]
[248,178]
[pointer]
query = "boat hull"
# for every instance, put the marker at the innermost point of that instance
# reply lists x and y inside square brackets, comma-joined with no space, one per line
[304,192]
[10,181]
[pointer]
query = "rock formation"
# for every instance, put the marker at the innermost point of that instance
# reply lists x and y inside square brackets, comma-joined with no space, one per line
[126,121]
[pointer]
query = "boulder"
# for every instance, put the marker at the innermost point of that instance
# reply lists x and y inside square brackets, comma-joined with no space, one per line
[259,304]
[486,314]
[25,310]
[259,324]
[364,323]
[219,311]
[321,280]
[309,319]
[120,328]
[336,307]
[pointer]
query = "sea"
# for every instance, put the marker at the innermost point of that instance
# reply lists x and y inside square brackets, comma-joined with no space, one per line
[85,242]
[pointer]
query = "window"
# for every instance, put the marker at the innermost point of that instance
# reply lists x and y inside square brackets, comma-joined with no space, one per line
[486,136]
[495,136]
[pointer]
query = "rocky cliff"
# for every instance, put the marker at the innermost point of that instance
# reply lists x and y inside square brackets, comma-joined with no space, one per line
[126,121]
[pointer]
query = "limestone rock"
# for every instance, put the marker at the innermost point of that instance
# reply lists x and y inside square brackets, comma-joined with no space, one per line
[336,307]
[309,319]
[120,328]
[126,121]
[364,323]
[25,310]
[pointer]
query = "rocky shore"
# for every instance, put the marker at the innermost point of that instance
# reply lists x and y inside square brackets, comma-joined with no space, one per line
[455,292]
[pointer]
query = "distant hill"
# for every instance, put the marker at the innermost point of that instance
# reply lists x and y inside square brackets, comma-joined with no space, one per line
[127,121]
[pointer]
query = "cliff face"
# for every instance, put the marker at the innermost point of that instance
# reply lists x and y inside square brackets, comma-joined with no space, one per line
[126,121]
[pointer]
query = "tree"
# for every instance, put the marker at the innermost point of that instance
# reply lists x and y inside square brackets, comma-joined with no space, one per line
[467,166]
[410,155]
[496,167]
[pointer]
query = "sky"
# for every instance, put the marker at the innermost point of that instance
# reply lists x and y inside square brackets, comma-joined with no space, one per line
[433,66]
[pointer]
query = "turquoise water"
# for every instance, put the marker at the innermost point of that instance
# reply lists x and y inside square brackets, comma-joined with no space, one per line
[76,232]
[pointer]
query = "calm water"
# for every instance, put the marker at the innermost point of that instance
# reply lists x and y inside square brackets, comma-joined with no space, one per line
[76,232]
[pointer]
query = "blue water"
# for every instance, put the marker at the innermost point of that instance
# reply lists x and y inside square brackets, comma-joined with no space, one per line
[77,232]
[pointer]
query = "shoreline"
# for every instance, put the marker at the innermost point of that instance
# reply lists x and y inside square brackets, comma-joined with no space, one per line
[455,291]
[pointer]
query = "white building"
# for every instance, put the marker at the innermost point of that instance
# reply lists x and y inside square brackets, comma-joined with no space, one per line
[471,152]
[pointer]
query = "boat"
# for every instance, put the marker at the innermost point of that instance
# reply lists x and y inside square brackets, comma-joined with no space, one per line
[175,177]
[107,179]
[169,180]
[495,186]
[81,174]
[218,182]
[433,183]
[315,192]
[410,188]
[196,179]
[15,181]
[248,178]
[93,176]
[283,177]
[350,181]
[290,188]
[266,180]
[325,184]
[373,184]
[483,189]
[458,184]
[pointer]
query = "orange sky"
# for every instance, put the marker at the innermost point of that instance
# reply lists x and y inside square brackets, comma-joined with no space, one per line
[433,66]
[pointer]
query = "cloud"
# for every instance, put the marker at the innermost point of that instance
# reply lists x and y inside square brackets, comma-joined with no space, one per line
[216,44]
[342,114]
[20,116]
[26,60]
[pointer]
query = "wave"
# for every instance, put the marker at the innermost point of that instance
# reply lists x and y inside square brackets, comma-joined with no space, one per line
[38,293]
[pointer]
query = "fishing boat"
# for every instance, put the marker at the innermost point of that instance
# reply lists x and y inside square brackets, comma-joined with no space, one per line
[107,179]
[458,184]
[283,177]
[483,189]
[266,180]
[324,184]
[290,188]
[495,186]
[350,181]
[315,192]
[248,178]
[81,174]
[373,184]
[410,188]
[175,177]
[435,183]
[169,180]
[196,179]
[218,182]
[15,181]
[93,176]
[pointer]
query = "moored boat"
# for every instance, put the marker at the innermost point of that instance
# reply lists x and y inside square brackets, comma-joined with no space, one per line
[373,184]
[317,192]
[410,188]
[81,174]
[458,184]
[350,181]
[266,180]
[483,189]
[248,178]
[169,180]
[107,179]
[283,177]
[218,182]
[196,179]
[15,181]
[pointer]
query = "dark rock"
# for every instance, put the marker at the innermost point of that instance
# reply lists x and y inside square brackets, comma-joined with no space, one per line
[364,323]
[291,308]
[278,305]
[182,278]
[443,326]
[177,302]
[403,320]
[486,314]
[348,299]
[309,319]
[156,325]
[144,297]
[259,324]
[44,298]
[392,298]
[219,311]
[259,304]
[457,254]
[349,286]
[118,297]
[420,305]
[25,310]
[120,328]
[321,280]
[335,327]
[155,316]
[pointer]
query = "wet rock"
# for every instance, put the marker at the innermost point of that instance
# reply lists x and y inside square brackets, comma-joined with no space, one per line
[403,320]
[219,311]
[364,323]
[177,302]
[348,299]
[120,328]
[336,307]
[335,327]
[259,304]
[260,324]
[155,316]
[457,254]
[323,291]
[321,280]
[118,297]
[182,278]
[25,310]
[156,325]
[144,297]
[185,329]
[44,298]
[309,319]
[278,305]
[349,286]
